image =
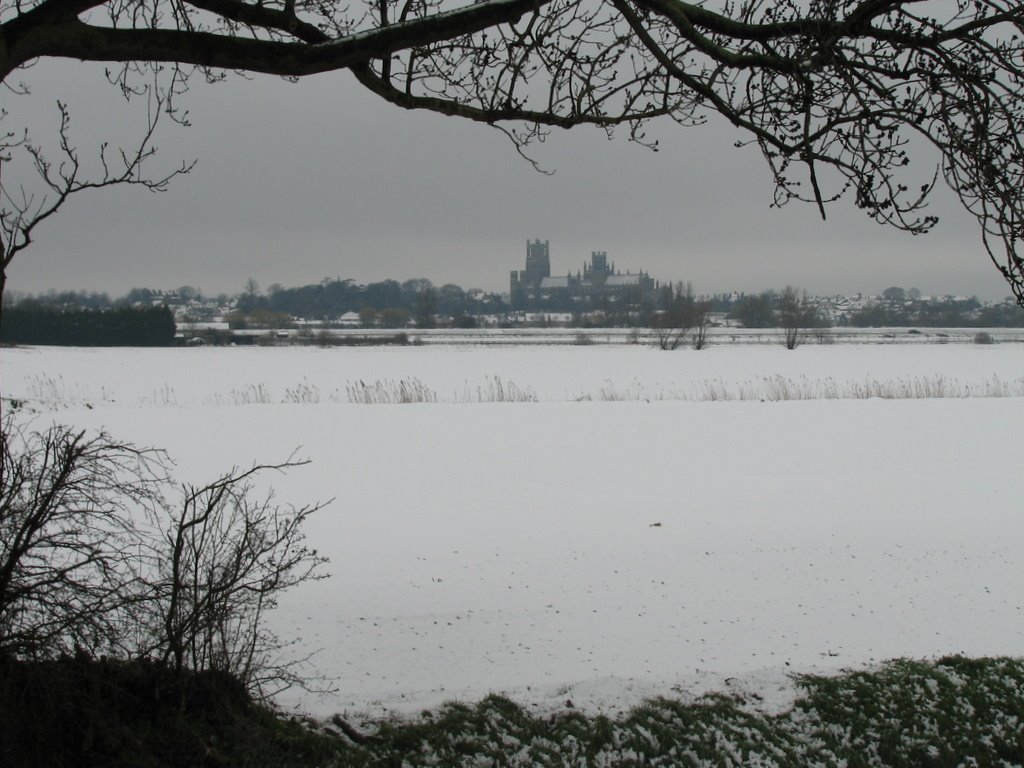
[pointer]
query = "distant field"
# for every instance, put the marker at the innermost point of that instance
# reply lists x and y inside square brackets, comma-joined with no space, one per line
[602,523]
[63,377]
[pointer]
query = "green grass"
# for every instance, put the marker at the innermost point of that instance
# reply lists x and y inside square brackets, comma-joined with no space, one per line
[918,714]
[953,712]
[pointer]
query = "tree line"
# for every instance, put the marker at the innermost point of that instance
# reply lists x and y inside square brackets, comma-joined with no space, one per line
[390,302]
[397,304]
[949,312]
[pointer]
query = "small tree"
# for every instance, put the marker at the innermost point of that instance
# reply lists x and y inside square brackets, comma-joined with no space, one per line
[250,300]
[795,315]
[367,317]
[222,562]
[676,317]
[393,317]
[425,306]
[93,558]
[894,294]
[701,321]
[69,551]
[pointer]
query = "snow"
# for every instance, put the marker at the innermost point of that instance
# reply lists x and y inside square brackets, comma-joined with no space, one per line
[598,550]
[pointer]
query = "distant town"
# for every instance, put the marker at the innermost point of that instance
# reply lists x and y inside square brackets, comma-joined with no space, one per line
[598,294]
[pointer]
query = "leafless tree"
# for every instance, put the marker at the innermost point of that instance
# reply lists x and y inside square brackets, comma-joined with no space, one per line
[45,179]
[676,317]
[838,95]
[222,561]
[252,289]
[669,330]
[94,557]
[795,315]
[701,321]
[69,553]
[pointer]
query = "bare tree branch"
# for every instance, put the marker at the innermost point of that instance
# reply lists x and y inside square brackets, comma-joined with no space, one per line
[838,95]
[23,207]
[68,552]
[221,563]
[94,557]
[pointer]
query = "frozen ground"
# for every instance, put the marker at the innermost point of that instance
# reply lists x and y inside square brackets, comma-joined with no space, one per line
[604,549]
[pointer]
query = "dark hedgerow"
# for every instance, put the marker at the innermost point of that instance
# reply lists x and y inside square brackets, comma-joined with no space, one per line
[120,327]
[78,712]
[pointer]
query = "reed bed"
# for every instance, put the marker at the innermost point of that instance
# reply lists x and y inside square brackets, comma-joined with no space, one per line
[53,393]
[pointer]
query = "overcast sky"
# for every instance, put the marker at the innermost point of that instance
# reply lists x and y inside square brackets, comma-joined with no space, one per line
[298,182]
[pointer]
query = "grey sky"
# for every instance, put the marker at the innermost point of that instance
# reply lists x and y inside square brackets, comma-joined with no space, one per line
[297,182]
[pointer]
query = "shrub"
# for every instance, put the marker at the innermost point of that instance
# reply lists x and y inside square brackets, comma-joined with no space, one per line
[78,711]
[68,505]
[94,559]
[221,563]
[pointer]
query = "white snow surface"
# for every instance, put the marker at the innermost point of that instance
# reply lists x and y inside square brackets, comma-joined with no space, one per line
[597,551]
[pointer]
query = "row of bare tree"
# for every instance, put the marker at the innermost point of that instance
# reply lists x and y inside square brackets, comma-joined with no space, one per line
[681,313]
[684,316]
[95,557]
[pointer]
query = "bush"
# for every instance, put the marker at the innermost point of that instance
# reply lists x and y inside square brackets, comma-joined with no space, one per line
[68,505]
[81,712]
[94,559]
[221,563]
[983,337]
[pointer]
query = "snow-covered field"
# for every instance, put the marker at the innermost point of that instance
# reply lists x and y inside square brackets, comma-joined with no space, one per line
[646,523]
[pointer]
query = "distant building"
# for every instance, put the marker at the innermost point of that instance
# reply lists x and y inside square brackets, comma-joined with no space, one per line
[538,266]
[599,281]
[597,272]
[551,285]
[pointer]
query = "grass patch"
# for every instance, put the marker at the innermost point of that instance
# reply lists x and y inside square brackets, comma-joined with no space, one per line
[954,712]
[388,392]
[49,394]
[913,713]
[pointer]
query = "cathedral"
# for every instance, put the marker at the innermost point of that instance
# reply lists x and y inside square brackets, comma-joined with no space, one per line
[598,280]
